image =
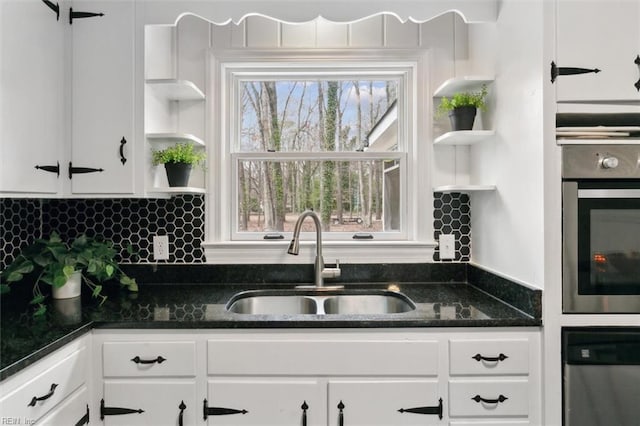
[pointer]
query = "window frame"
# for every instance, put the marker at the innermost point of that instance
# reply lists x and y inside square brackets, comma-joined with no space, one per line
[414,243]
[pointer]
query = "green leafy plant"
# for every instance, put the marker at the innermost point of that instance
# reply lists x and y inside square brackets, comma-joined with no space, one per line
[179,153]
[55,261]
[463,99]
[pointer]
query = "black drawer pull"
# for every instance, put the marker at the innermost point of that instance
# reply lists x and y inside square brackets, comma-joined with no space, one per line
[557,71]
[42,398]
[182,407]
[436,410]
[498,358]
[84,420]
[499,399]
[220,411]
[123,142]
[341,414]
[116,411]
[637,62]
[304,407]
[51,169]
[139,360]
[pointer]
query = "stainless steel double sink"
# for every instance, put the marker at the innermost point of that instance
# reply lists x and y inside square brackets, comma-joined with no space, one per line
[319,302]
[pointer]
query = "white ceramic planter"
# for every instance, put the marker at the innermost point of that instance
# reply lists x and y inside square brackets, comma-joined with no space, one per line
[70,289]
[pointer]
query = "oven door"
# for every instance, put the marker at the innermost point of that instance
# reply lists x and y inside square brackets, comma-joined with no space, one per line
[601,247]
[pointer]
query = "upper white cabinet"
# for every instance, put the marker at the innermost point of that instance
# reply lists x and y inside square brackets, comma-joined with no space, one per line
[31,100]
[102,86]
[598,35]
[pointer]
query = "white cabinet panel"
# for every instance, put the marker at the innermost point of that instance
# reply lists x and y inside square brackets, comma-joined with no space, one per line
[489,398]
[103,97]
[73,411]
[159,400]
[266,402]
[604,35]
[383,402]
[149,359]
[31,96]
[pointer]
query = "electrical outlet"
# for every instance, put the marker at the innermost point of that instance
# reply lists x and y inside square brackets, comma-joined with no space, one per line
[161,247]
[447,246]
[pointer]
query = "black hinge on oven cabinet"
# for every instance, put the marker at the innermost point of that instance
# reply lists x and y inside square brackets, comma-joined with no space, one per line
[51,169]
[54,7]
[84,420]
[74,170]
[77,15]
[557,71]
[637,83]
[219,411]
[116,411]
[435,410]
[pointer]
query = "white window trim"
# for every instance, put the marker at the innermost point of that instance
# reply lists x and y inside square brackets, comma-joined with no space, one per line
[419,247]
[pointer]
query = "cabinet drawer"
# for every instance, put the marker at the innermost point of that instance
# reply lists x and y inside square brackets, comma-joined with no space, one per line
[501,398]
[42,393]
[324,357]
[489,357]
[73,410]
[149,359]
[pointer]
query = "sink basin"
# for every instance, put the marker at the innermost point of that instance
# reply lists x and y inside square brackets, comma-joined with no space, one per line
[265,305]
[368,304]
[318,302]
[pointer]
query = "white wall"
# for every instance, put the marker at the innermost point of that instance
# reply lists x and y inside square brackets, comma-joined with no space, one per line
[508,224]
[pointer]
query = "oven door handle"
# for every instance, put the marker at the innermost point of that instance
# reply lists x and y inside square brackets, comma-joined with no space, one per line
[608,193]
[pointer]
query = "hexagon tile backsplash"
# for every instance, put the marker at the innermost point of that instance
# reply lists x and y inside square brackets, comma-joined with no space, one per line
[135,222]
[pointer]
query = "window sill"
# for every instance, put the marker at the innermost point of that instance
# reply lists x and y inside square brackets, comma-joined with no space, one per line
[275,252]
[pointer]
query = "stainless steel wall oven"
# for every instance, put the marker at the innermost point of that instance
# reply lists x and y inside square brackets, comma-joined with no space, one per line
[601,228]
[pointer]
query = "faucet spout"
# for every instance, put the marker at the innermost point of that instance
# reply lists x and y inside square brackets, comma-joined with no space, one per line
[294,246]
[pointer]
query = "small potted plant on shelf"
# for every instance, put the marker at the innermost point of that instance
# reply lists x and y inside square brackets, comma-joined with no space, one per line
[178,161]
[462,108]
[64,266]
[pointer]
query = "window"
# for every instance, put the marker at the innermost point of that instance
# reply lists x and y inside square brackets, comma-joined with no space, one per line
[323,133]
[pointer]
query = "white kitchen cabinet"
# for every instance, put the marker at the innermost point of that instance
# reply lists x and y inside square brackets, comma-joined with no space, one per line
[54,387]
[72,411]
[31,102]
[602,35]
[103,91]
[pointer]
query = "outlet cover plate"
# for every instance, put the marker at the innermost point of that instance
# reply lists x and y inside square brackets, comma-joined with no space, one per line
[161,247]
[447,246]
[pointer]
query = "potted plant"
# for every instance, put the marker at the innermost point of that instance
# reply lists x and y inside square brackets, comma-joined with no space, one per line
[462,108]
[178,161]
[65,265]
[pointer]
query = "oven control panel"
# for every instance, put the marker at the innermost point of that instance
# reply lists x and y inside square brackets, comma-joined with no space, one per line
[601,162]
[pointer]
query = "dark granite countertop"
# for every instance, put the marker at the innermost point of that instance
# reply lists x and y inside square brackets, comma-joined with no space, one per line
[26,339]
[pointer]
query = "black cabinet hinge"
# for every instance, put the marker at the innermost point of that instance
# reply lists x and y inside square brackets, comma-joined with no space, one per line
[54,7]
[77,15]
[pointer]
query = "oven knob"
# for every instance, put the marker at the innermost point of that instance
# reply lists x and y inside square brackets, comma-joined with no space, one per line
[609,163]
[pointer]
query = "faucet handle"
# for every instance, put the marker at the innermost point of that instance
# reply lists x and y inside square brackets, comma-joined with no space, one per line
[332,272]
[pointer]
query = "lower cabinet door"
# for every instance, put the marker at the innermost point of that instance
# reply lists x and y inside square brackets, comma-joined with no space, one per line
[74,410]
[149,402]
[265,402]
[385,402]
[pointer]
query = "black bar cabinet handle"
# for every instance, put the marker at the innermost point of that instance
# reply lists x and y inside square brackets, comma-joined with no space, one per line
[77,15]
[498,358]
[123,142]
[498,400]
[304,407]
[436,410]
[79,170]
[116,411]
[637,83]
[51,169]
[557,71]
[139,360]
[219,411]
[54,7]
[84,420]
[43,397]
[182,407]
[341,414]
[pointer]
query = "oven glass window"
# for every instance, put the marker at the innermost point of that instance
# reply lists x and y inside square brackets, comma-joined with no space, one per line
[609,246]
